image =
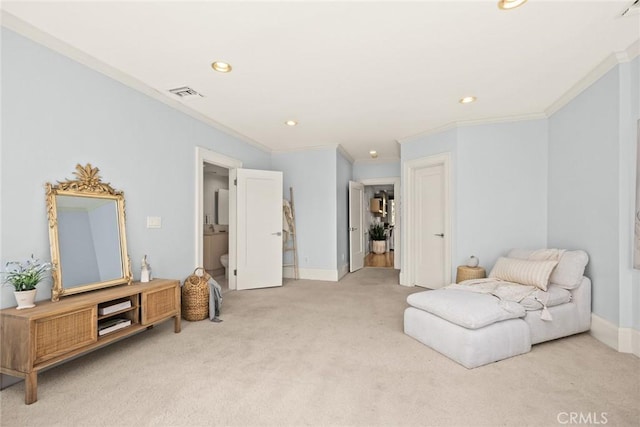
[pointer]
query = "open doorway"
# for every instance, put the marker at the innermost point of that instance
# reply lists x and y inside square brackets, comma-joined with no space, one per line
[255,201]
[212,175]
[379,217]
[381,209]
[215,209]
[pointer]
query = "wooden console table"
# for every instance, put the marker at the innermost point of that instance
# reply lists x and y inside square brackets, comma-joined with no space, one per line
[53,332]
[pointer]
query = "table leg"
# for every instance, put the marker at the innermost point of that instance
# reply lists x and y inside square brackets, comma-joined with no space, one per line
[176,324]
[31,387]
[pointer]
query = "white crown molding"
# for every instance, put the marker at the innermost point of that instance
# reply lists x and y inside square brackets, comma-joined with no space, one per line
[336,147]
[345,154]
[21,27]
[377,161]
[339,148]
[591,77]
[27,30]
[629,54]
[633,51]
[434,131]
[466,123]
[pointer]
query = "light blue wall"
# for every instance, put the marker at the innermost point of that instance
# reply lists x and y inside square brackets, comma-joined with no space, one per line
[70,114]
[584,186]
[443,142]
[497,186]
[592,186]
[56,113]
[629,77]
[375,170]
[635,141]
[579,165]
[501,195]
[343,176]
[312,174]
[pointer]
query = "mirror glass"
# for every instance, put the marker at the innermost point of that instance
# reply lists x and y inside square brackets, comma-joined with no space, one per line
[87,234]
[89,239]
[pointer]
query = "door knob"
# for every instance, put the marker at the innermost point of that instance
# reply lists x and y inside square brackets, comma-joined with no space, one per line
[279,233]
[441,234]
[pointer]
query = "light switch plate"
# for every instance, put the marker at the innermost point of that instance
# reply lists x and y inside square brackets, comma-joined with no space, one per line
[154,222]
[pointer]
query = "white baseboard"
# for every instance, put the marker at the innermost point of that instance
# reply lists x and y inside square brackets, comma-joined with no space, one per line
[629,341]
[312,274]
[401,280]
[342,271]
[624,340]
[604,331]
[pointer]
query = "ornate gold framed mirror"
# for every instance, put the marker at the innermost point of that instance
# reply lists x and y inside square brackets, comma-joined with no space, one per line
[86,234]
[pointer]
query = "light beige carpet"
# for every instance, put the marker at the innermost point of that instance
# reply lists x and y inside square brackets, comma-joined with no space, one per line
[322,353]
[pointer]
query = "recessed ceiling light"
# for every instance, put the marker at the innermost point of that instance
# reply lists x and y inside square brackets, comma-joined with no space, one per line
[510,4]
[467,100]
[373,154]
[290,123]
[221,67]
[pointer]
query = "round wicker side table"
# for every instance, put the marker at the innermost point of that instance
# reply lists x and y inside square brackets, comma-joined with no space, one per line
[466,273]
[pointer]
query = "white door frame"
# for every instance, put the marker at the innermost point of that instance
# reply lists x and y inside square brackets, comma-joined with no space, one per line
[398,251]
[353,265]
[410,211]
[204,155]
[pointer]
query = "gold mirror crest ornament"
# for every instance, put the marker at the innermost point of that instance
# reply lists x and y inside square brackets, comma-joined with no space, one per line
[86,234]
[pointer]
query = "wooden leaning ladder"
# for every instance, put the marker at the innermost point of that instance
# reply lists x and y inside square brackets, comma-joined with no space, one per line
[289,245]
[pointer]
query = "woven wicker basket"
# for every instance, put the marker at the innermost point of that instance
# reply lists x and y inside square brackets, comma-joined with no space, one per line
[195,296]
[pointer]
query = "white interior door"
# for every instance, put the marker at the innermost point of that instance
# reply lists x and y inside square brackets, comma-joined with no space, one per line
[429,227]
[258,228]
[356,228]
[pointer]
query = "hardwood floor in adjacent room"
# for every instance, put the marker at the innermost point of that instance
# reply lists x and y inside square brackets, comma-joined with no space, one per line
[379,260]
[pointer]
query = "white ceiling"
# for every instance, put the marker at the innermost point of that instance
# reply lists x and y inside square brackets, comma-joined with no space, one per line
[359,74]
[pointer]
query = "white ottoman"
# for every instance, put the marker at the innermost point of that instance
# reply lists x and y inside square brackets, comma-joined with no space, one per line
[472,329]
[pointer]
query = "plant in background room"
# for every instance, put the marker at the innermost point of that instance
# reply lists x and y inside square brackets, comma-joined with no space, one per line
[378,238]
[24,277]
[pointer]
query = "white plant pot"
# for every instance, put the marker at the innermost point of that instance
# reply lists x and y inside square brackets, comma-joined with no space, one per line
[379,246]
[25,299]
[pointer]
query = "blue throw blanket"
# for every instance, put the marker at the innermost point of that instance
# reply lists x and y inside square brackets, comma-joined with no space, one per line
[215,300]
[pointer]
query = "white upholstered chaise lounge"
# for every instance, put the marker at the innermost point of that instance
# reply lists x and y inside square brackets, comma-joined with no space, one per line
[482,321]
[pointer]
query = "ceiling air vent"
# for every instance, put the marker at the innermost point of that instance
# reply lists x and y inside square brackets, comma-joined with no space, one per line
[185,92]
[633,9]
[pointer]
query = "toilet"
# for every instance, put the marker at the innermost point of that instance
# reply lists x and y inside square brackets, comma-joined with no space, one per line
[224,260]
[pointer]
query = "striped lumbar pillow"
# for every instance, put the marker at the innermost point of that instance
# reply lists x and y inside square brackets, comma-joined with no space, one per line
[525,272]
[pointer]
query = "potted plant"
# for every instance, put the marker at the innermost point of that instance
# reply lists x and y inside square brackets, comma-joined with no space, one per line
[378,238]
[24,277]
